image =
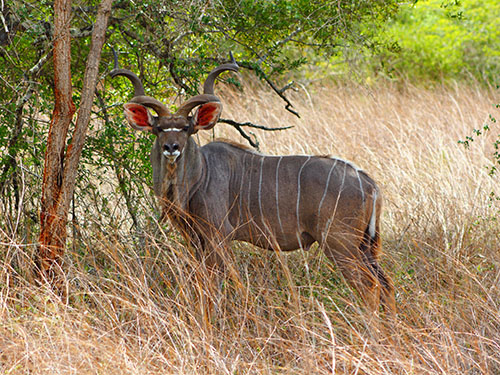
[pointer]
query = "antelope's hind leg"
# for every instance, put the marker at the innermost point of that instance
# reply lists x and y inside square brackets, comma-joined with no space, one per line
[387,298]
[370,250]
[361,272]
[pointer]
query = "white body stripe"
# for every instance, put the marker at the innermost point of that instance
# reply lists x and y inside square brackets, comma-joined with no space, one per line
[357,169]
[330,220]
[346,162]
[372,226]
[250,188]
[277,194]
[298,192]
[326,188]
[241,188]
[260,190]
[361,186]
[343,179]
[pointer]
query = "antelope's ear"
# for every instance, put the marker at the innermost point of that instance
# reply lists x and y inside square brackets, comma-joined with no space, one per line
[138,117]
[207,115]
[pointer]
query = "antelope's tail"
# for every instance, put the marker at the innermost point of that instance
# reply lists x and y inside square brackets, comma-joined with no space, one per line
[371,247]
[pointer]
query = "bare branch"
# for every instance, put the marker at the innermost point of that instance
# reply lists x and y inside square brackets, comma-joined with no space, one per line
[36,68]
[252,125]
[254,143]
[289,85]
[278,91]
[261,58]
[239,125]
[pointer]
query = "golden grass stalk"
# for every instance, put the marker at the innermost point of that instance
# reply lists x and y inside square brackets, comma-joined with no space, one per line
[145,308]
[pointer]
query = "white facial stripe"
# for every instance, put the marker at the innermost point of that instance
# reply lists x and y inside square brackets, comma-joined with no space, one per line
[171,130]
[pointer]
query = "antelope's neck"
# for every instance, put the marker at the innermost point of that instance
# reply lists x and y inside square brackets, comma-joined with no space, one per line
[180,180]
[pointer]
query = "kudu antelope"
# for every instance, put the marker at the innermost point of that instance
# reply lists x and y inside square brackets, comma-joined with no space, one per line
[224,191]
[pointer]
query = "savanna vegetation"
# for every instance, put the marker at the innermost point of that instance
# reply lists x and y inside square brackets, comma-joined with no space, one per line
[406,91]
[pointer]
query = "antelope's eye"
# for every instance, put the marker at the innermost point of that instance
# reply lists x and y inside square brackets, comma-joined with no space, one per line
[186,128]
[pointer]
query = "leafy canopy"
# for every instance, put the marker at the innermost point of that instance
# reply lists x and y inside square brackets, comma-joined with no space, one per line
[171,45]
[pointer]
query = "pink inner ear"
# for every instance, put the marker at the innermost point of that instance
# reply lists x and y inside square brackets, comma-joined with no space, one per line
[208,114]
[137,114]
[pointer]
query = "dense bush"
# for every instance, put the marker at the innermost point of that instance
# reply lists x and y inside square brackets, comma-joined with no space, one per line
[171,45]
[442,40]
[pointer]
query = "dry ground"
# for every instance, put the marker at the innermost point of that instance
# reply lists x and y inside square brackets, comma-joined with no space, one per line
[137,308]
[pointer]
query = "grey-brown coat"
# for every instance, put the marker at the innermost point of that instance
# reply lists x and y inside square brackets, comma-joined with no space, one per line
[222,192]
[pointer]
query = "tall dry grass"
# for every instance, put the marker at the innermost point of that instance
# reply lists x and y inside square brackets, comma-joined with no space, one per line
[144,307]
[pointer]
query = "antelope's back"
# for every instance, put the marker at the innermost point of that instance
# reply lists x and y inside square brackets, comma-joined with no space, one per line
[288,200]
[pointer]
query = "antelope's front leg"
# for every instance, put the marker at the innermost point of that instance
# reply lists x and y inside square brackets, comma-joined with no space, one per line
[210,253]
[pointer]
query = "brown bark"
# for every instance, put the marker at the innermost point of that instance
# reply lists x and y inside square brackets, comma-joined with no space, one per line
[60,164]
[52,228]
[89,84]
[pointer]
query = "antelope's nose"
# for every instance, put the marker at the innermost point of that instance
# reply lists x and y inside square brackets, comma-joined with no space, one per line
[170,147]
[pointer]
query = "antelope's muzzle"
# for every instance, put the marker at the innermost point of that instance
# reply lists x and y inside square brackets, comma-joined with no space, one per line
[171,152]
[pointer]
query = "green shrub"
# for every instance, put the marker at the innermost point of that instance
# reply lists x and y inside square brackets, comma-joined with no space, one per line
[440,40]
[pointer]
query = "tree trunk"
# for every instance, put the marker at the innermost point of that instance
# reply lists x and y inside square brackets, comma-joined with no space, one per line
[52,226]
[61,164]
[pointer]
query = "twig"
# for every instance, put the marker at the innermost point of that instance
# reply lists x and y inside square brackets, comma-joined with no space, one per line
[280,43]
[254,144]
[176,78]
[36,68]
[9,160]
[238,126]
[278,91]
[252,125]
[116,165]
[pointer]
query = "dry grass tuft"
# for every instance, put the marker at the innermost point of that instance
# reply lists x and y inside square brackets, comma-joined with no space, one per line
[146,307]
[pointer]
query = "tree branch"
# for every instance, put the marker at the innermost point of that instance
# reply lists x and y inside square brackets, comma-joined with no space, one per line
[280,43]
[254,143]
[122,185]
[52,226]
[60,167]
[238,126]
[29,82]
[278,91]
[252,125]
